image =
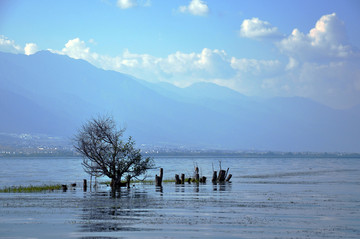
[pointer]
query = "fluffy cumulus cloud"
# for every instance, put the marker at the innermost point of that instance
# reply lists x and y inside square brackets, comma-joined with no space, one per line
[77,49]
[179,68]
[7,45]
[195,7]
[255,77]
[258,29]
[206,64]
[30,48]
[327,40]
[321,64]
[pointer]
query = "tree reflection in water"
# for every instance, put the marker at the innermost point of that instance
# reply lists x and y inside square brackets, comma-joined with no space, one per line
[145,209]
[102,212]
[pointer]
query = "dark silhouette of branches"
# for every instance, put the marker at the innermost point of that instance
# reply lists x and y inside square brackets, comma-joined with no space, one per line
[105,153]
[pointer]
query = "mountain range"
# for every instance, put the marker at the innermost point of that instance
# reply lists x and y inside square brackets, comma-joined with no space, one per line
[54,94]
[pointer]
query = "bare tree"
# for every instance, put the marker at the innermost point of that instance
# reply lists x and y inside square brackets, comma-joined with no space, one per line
[104,152]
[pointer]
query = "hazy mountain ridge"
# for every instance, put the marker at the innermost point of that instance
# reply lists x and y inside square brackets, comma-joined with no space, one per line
[49,93]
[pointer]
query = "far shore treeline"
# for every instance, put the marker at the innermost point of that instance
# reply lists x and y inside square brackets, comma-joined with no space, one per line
[199,153]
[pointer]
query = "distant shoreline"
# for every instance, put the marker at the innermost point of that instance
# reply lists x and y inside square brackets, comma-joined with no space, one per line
[204,153]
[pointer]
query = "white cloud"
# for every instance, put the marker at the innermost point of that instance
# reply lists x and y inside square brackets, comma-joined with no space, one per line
[195,7]
[258,29]
[180,68]
[7,45]
[333,83]
[326,41]
[125,4]
[30,48]
[291,64]
[77,49]
[321,66]
[255,77]
[204,65]
[255,67]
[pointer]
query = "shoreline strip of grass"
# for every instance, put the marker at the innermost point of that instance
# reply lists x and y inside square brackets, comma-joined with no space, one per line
[30,189]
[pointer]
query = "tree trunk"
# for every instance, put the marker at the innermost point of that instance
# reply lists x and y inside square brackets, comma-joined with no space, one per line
[128,178]
[116,184]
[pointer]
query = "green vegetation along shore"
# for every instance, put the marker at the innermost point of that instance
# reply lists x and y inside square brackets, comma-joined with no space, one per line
[30,189]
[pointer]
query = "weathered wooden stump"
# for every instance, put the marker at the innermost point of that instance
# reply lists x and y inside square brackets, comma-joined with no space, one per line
[214,177]
[203,179]
[177,179]
[222,175]
[189,180]
[158,179]
[182,178]
[196,175]
[228,177]
[64,187]
[85,185]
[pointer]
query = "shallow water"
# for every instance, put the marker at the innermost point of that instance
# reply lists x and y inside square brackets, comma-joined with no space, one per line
[267,198]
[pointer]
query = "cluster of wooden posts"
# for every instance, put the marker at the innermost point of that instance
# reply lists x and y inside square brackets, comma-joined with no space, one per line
[196,178]
[223,176]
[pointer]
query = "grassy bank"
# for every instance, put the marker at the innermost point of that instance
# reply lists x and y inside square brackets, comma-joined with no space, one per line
[30,189]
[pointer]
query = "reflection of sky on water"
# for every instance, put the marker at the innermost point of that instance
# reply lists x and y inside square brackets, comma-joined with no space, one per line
[299,198]
[143,208]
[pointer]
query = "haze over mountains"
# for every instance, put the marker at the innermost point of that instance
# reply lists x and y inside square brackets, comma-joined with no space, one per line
[54,94]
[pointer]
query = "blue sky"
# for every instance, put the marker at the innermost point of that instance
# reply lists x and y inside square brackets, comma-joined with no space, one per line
[259,48]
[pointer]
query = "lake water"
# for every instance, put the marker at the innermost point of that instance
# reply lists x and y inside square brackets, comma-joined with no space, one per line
[267,198]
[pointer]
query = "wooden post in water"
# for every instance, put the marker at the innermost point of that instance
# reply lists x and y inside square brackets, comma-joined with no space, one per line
[227,171]
[203,179]
[197,176]
[177,179]
[158,179]
[182,178]
[228,177]
[214,177]
[221,177]
[85,185]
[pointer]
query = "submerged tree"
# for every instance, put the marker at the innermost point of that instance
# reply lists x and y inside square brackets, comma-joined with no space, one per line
[104,152]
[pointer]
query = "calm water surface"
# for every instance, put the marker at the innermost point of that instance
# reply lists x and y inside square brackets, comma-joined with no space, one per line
[267,198]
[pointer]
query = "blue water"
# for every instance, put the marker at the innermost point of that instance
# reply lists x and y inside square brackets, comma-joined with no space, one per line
[267,198]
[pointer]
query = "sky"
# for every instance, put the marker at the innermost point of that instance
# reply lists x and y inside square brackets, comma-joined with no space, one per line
[261,48]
